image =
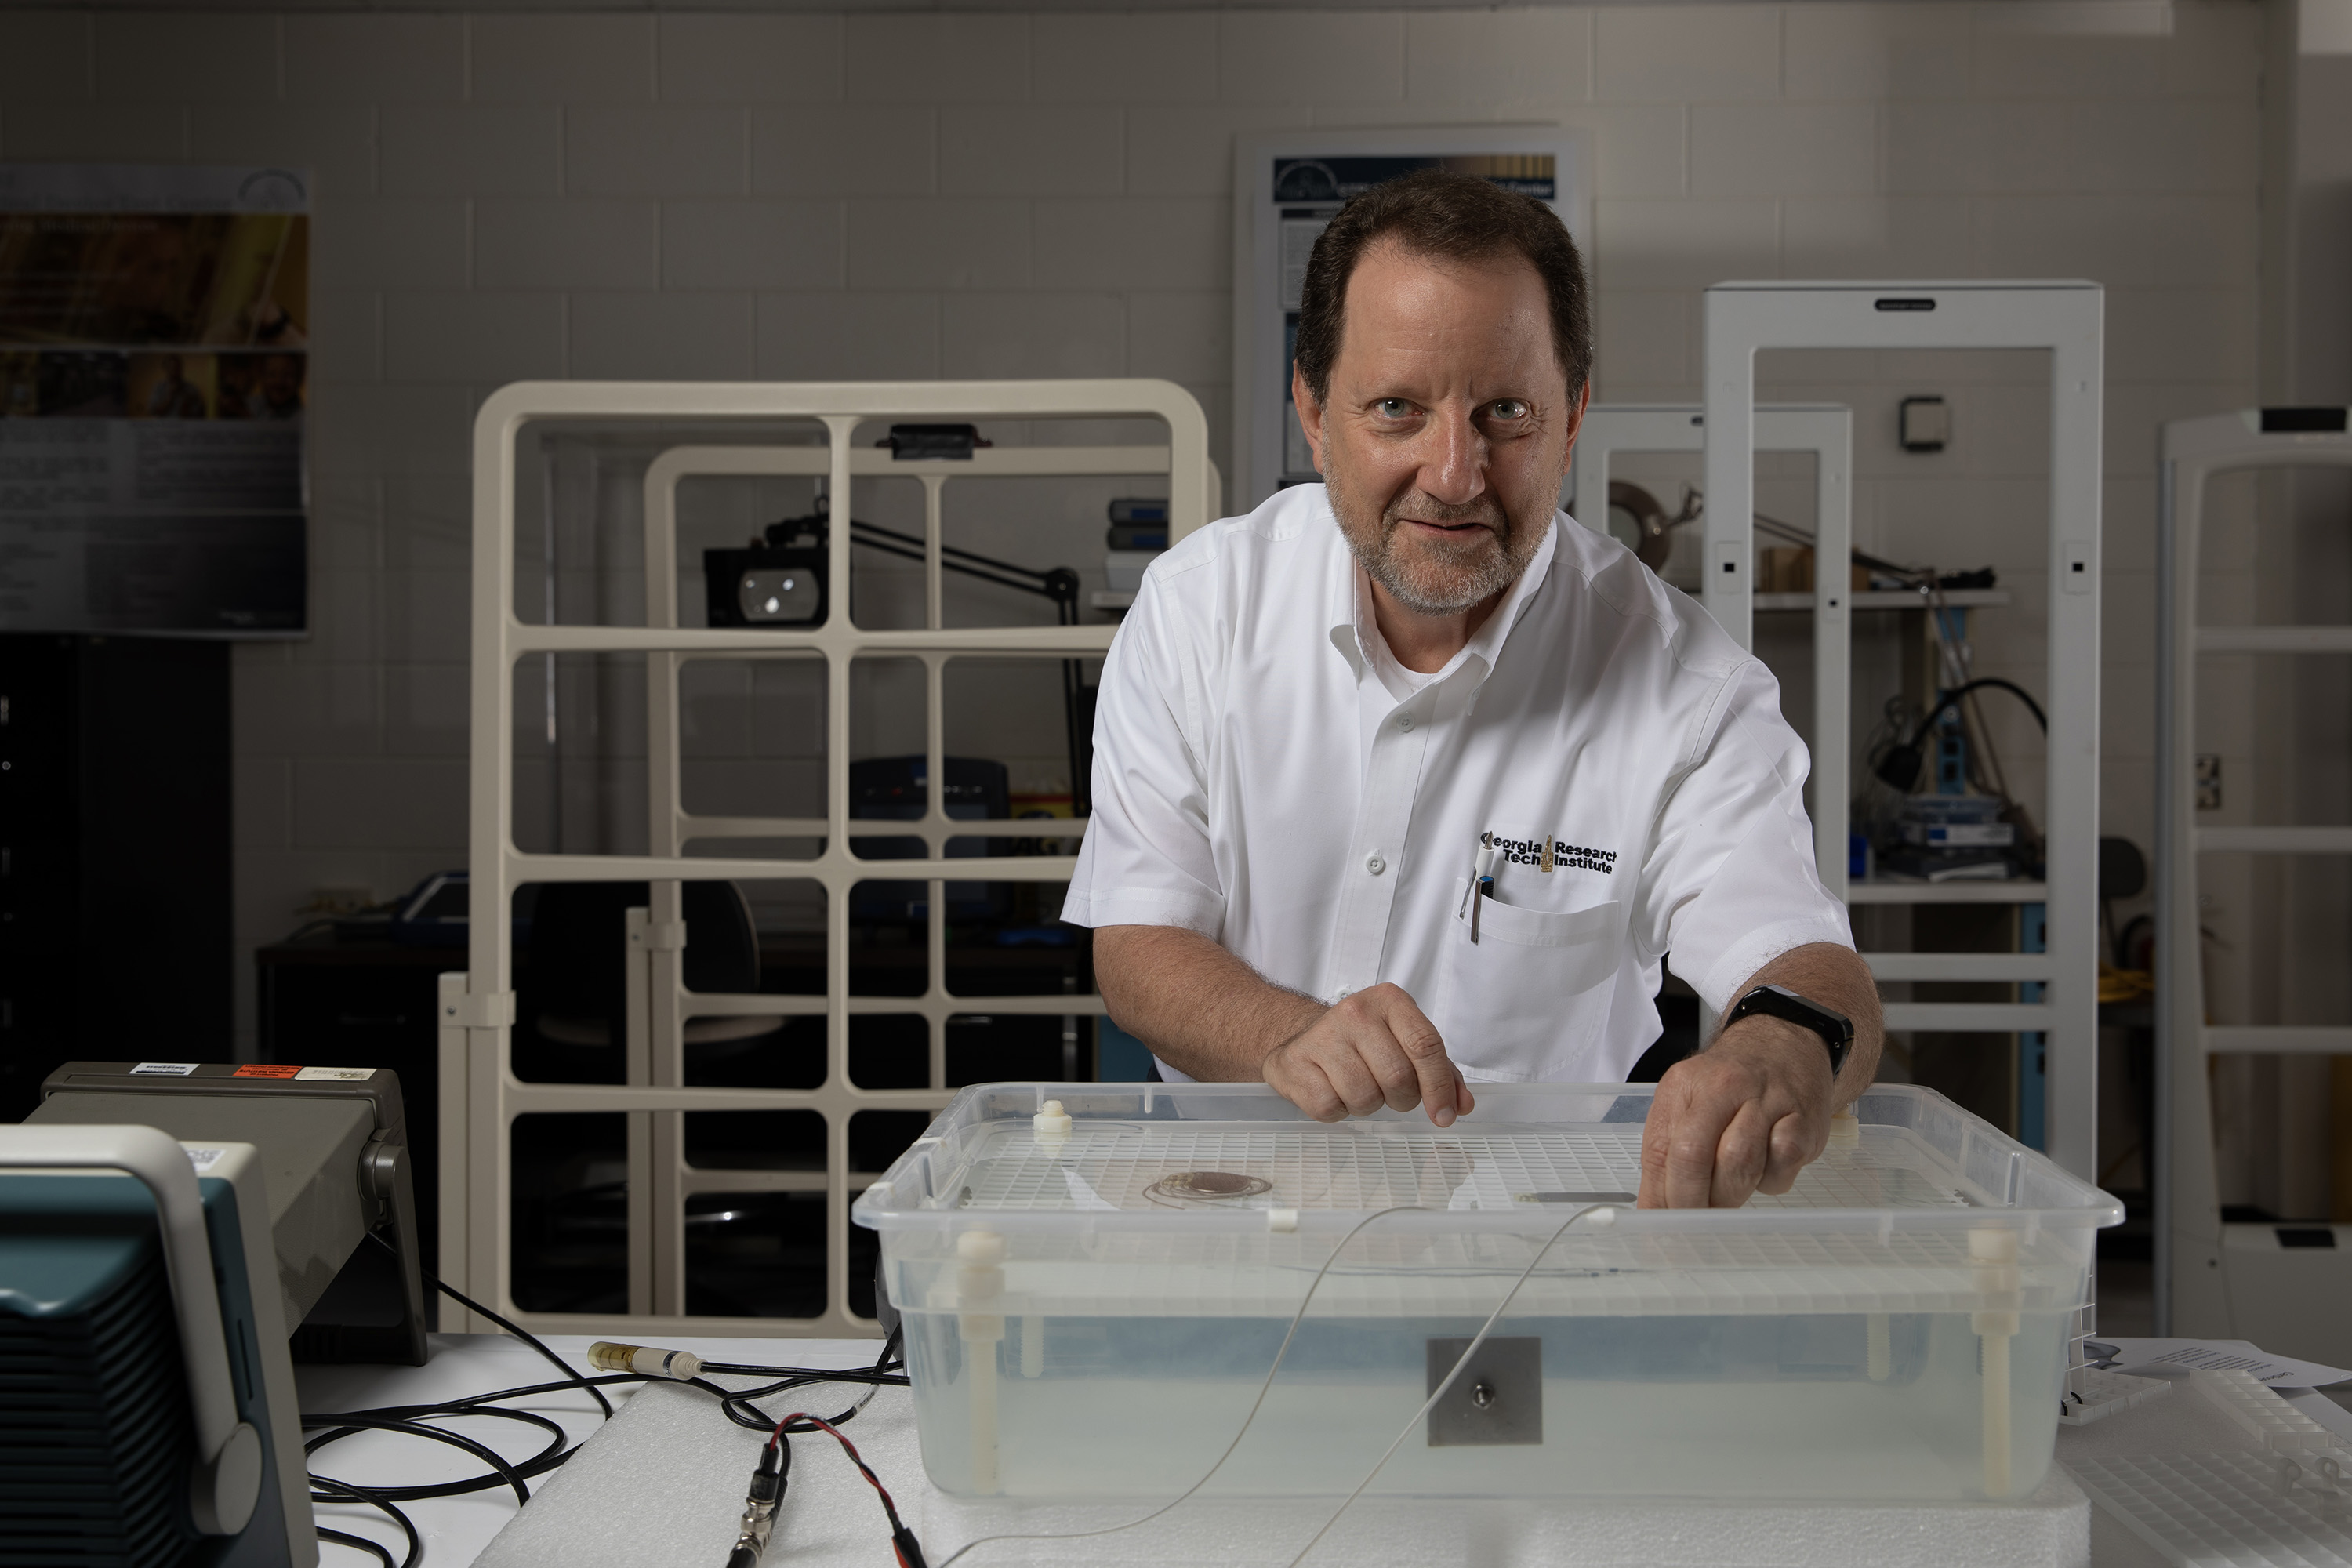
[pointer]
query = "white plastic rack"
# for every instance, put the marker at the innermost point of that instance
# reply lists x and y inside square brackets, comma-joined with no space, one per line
[2065,319]
[480,1095]
[2205,1285]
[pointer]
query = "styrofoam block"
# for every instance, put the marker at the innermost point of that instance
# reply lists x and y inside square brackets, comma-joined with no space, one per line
[2271,1421]
[2216,1511]
[2094,1393]
[662,1485]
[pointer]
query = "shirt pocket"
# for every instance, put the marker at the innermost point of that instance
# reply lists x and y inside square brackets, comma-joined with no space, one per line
[1515,999]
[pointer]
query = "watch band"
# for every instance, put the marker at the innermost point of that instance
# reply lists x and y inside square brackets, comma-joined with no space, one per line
[1834,1027]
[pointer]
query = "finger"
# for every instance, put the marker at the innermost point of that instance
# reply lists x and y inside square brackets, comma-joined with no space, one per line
[1351,1078]
[1689,1170]
[1739,1157]
[1787,1153]
[1657,1138]
[1425,1048]
[1463,1102]
[1302,1081]
[1384,1058]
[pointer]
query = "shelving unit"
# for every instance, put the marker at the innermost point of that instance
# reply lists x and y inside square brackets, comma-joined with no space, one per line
[480,1095]
[2213,1278]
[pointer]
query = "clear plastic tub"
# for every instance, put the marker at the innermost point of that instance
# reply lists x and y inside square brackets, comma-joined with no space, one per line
[1091,1312]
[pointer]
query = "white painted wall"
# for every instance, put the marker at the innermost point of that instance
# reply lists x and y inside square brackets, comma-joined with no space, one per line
[922,195]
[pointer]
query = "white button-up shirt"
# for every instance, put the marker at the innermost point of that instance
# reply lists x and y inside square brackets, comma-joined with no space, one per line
[1267,774]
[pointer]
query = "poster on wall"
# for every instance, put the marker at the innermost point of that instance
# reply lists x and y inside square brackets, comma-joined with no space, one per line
[154,379]
[1286,187]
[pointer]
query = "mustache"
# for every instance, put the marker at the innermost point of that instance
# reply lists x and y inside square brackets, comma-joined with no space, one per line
[1426,508]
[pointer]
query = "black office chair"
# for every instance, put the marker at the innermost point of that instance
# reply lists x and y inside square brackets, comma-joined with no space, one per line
[576,987]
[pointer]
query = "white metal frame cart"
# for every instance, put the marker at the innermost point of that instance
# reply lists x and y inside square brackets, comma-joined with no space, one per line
[480,1095]
[2066,320]
[2217,1280]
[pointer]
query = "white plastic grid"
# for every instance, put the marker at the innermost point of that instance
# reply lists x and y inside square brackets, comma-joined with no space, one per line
[2217,1511]
[2255,1407]
[480,1095]
[1351,1166]
[2093,1394]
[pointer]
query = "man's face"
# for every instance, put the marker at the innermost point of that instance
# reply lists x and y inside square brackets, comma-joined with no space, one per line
[1448,424]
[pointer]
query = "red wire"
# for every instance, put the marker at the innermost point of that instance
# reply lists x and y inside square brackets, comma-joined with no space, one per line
[873,1481]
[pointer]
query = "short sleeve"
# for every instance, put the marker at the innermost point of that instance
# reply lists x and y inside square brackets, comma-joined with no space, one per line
[1147,858]
[1730,882]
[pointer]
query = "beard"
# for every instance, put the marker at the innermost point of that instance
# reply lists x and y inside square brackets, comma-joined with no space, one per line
[1434,575]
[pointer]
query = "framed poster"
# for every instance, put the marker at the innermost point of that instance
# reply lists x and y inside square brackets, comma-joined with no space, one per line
[1286,186]
[154,383]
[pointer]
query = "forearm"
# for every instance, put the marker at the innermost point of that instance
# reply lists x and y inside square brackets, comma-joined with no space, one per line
[1835,977]
[1200,1009]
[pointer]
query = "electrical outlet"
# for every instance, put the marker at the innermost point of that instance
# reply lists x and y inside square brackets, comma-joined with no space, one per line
[2208,781]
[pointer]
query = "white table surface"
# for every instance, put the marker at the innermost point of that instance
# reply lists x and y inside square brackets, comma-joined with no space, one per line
[455,1529]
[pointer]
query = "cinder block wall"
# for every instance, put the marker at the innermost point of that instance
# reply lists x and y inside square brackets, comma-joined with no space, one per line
[634,194]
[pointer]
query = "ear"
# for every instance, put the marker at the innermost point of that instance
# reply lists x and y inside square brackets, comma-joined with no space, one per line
[1310,415]
[1575,427]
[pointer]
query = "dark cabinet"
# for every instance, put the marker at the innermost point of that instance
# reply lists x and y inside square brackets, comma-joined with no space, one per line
[115,934]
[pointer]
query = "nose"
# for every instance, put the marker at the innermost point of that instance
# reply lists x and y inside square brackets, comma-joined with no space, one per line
[1454,470]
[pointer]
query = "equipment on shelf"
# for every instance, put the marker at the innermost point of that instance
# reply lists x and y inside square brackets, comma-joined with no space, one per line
[1899,767]
[892,789]
[780,580]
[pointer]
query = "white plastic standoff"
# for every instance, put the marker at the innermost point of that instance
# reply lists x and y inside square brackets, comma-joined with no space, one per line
[1052,1126]
[979,1323]
[1845,1129]
[1994,1251]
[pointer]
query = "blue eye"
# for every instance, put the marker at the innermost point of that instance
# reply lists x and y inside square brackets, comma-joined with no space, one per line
[1393,408]
[1510,409]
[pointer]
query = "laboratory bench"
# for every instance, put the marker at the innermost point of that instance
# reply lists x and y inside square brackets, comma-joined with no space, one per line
[830,1517]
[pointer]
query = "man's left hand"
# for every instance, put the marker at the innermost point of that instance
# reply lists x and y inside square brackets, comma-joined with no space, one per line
[1743,1116]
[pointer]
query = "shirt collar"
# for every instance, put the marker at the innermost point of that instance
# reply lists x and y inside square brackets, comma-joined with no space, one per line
[1348,608]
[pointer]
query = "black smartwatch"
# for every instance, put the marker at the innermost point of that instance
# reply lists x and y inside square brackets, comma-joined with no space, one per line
[1835,1029]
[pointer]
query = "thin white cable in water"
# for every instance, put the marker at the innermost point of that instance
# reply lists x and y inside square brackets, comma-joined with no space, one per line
[1291,1333]
[1608,1217]
[1296,1318]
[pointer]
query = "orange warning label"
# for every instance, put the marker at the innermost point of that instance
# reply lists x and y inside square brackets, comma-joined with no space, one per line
[265,1069]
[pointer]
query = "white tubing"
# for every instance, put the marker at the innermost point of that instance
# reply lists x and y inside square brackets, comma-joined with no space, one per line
[227,1450]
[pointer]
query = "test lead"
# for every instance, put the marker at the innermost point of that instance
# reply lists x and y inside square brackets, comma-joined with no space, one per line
[760,1504]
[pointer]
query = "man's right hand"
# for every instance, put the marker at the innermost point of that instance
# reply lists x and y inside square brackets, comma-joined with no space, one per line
[1372,1048]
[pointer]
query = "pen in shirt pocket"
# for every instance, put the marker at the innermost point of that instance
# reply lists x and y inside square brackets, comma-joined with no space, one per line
[1481,885]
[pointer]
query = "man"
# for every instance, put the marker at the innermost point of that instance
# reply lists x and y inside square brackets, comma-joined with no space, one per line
[1321,719]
